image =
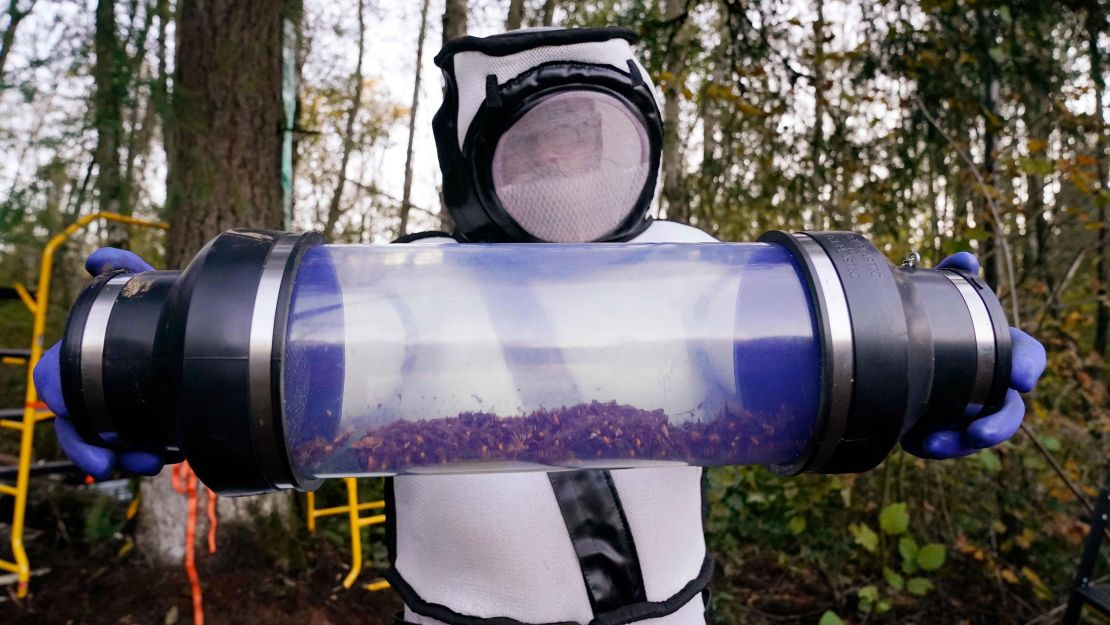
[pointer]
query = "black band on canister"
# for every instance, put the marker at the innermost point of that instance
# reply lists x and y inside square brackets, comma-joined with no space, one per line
[833,321]
[189,364]
[926,346]
[880,343]
[230,311]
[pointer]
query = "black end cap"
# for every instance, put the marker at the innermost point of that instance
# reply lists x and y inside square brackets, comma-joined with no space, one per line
[206,340]
[880,342]
[880,355]
[70,357]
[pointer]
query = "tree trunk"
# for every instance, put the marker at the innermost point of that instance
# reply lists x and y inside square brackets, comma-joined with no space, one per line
[548,12]
[7,38]
[224,172]
[817,141]
[406,195]
[454,26]
[516,15]
[1095,26]
[454,19]
[141,118]
[227,118]
[335,208]
[989,81]
[674,66]
[111,82]
[159,90]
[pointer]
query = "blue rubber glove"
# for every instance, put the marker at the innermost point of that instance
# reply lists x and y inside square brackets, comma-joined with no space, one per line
[1028,365]
[98,462]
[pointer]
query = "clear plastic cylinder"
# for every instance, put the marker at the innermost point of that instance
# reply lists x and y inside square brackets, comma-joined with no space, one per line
[466,358]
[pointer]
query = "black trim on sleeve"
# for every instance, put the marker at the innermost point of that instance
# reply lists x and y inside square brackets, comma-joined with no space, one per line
[601,537]
[443,613]
[620,616]
[659,609]
[390,522]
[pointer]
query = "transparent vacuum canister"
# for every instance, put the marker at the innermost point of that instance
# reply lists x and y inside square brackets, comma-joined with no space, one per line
[274,361]
[515,357]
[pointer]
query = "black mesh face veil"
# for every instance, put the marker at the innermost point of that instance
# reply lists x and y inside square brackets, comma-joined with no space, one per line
[547,135]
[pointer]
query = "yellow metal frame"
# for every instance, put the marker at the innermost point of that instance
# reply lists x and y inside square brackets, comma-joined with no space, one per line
[353,510]
[32,414]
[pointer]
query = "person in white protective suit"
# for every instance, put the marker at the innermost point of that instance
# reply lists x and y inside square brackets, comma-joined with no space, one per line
[546,135]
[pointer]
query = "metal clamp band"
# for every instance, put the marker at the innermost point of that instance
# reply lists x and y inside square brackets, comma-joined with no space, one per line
[93,339]
[260,358]
[838,327]
[984,342]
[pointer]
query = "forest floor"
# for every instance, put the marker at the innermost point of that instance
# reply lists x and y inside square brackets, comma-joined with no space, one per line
[93,575]
[243,588]
[237,588]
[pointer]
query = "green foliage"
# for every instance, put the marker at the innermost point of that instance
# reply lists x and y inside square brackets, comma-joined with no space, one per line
[894,519]
[865,537]
[830,618]
[102,521]
[919,586]
[931,557]
[907,548]
[895,580]
[990,461]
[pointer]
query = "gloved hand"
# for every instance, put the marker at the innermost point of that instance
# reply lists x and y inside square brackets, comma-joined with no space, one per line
[990,430]
[98,462]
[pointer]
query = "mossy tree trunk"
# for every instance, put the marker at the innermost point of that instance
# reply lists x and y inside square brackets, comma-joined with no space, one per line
[224,172]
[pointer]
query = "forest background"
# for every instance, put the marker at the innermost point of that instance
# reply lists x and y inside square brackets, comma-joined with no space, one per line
[934,126]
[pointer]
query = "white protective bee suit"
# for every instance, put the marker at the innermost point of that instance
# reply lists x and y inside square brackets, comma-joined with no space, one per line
[547,136]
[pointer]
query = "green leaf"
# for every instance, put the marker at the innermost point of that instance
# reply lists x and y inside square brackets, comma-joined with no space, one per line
[883,606]
[989,460]
[975,234]
[909,567]
[895,580]
[931,557]
[907,547]
[1036,166]
[830,618]
[868,595]
[997,54]
[919,586]
[1051,443]
[797,525]
[864,536]
[1004,14]
[894,519]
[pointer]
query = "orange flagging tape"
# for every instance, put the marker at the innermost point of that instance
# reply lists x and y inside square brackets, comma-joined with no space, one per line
[190,548]
[212,521]
[185,482]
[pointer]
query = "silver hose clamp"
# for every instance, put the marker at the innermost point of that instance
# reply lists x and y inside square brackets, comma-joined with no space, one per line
[837,322]
[261,355]
[985,351]
[93,339]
